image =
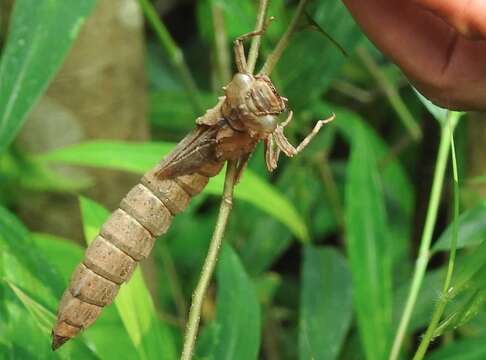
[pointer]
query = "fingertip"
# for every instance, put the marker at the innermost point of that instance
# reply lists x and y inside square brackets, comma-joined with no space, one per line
[466,17]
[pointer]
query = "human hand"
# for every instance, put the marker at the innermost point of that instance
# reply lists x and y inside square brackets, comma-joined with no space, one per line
[439,44]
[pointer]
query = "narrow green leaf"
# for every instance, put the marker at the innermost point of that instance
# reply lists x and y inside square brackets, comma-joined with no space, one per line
[238,311]
[368,246]
[43,317]
[134,303]
[326,304]
[133,157]
[397,187]
[437,112]
[472,229]
[440,114]
[22,171]
[396,183]
[464,349]
[266,197]
[140,157]
[170,110]
[426,300]
[30,60]
[62,253]
[311,62]
[16,241]
[471,270]
[235,25]
[463,313]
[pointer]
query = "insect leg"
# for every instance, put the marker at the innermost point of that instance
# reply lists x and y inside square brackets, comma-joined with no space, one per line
[288,120]
[272,153]
[239,49]
[284,144]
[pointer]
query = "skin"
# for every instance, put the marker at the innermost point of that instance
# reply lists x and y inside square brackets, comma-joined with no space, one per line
[440,45]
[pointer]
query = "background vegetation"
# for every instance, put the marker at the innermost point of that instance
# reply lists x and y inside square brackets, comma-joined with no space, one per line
[319,255]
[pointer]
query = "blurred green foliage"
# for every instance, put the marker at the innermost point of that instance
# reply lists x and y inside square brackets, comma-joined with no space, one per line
[319,255]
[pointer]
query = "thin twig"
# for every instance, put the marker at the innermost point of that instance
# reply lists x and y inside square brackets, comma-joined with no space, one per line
[255,41]
[176,56]
[224,212]
[209,263]
[423,256]
[274,57]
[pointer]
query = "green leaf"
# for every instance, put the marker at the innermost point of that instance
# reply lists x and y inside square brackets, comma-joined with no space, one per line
[134,303]
[368,246]
[140,157]
[426,300]
[464,349]
[42,316]
[235,25]
[117,155]
[62,253]
[472,229]
[463,313]
[171,110]
[16,242]
[238,311]
[397,187]
[36,321]
[22,171]
[326,304]
[471,270]
[311,62]
[440,114]
[265,197]
[39,38]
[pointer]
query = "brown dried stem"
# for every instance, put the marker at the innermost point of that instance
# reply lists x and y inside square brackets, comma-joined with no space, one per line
[255,42]
[230,182]
[209,262]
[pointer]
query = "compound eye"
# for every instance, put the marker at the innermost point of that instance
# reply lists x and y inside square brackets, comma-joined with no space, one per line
[268,123]
[242,80]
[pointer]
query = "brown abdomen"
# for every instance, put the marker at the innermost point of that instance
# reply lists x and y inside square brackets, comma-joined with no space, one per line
[125,238]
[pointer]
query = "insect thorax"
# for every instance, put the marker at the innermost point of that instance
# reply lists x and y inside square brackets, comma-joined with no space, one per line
[252,103]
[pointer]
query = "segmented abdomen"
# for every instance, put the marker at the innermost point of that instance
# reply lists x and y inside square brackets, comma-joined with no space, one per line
[126,238]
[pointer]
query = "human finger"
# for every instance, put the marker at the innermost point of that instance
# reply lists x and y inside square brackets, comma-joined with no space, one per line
[467,17]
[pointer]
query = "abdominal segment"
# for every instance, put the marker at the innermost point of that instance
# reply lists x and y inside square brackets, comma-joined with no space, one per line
[126,238]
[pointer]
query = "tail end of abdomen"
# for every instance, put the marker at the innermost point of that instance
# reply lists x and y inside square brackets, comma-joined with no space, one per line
[126,238]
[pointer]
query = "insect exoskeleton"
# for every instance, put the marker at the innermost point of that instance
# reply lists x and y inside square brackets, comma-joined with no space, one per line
[253,103]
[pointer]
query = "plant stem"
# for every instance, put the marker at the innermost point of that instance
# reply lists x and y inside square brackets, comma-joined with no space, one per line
[455,192]
[223,65]
[255,41]
[423,256]
[274,57]
[391,94]
[209,263]
[224,212]
[176,56]
[440,307]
